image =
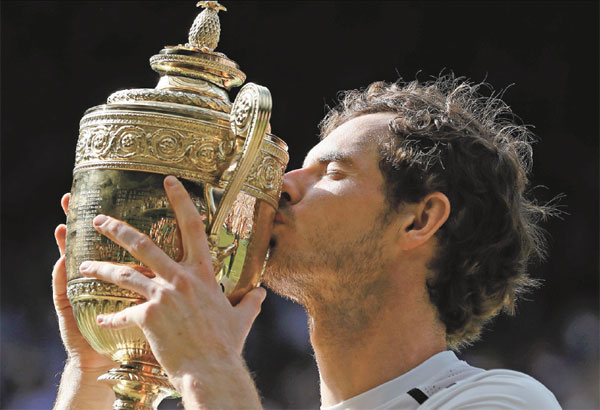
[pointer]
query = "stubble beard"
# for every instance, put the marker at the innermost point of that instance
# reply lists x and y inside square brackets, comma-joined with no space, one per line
[344,281]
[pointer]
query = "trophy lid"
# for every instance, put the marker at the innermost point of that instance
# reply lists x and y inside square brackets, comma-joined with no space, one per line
[197,58]
[194,73]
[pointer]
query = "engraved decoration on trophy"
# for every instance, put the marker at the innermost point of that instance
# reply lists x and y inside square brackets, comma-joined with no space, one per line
[230,164]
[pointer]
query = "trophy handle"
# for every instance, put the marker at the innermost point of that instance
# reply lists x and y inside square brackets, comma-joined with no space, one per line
[249,119]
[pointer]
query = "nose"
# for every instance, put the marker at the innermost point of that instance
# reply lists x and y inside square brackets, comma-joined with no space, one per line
[292,190]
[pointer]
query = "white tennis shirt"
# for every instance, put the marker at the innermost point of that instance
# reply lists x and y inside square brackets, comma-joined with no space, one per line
[444,382]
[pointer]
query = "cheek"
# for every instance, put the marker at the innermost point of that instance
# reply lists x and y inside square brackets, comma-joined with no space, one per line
[329,216]
[338,205]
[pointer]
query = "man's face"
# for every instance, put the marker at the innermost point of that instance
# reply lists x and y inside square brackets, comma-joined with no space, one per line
[329,231]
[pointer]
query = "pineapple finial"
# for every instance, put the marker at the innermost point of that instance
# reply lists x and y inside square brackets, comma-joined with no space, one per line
[211,5]
[206,30]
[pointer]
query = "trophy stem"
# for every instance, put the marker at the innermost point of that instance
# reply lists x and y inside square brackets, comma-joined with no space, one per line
[138,386]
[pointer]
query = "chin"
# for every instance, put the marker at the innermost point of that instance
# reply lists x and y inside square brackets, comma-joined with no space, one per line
[275,279]
[279,276]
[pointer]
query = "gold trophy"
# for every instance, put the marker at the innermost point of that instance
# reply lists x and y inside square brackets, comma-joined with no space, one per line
[226,158]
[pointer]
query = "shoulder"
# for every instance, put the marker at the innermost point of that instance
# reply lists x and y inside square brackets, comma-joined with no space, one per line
[495,389]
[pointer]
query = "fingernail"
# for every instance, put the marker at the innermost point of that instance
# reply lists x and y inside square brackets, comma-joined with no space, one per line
[171,181]
[100,219]
[100,319]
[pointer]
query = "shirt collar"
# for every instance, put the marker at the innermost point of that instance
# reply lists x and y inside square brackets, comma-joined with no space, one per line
[401,384]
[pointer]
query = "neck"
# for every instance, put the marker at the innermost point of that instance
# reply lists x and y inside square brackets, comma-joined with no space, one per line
[400,335]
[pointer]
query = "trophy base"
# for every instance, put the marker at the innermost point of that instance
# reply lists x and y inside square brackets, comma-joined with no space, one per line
[138,386]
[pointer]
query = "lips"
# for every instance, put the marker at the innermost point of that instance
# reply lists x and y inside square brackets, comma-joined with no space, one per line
[284,215]
[278,218]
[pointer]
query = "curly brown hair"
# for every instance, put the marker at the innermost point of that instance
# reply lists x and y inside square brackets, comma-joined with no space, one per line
[449,138]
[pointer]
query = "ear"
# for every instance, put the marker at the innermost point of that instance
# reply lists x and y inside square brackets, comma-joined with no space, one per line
[424,220]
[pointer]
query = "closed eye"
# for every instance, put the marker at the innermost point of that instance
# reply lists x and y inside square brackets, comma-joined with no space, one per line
[334,172]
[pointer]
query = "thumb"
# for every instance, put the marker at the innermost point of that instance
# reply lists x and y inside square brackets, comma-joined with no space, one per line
[249,306]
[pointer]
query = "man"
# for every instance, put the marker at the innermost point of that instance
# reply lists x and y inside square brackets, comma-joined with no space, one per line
[406,229]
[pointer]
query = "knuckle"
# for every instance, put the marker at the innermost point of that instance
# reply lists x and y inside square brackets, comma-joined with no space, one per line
[182,282]
[151,312]
[154,292]
[107,321]
[112,227]
[126,274]
[159,295]
[141,243]
[91,267]
[58,263]
[116,319]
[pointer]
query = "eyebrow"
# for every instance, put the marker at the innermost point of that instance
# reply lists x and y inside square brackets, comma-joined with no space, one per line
[335,156]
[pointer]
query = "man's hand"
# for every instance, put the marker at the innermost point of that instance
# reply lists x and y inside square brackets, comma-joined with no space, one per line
[78,388]
[194,332]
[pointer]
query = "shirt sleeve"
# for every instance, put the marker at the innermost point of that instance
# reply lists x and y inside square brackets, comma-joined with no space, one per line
[494,390]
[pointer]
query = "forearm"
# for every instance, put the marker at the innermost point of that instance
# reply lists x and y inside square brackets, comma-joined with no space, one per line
[81,390]
[225,385]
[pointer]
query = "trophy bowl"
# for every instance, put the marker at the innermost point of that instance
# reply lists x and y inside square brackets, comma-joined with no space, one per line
[224,156]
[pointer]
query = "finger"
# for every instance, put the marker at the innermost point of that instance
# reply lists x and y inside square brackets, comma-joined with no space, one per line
[64,202]
[249,306]
[60,234]
[128,317]
[121,275]
[59,284]
[190,223]
[137,244]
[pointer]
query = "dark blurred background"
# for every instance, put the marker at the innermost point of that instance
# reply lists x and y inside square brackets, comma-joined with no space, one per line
[59,58]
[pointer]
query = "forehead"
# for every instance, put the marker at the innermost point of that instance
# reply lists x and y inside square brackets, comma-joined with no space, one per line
[354,139]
